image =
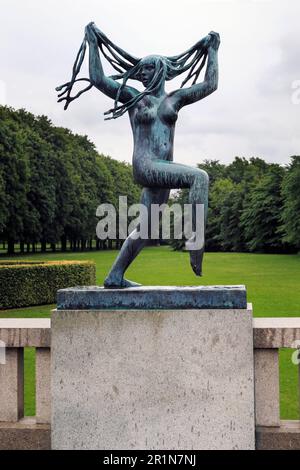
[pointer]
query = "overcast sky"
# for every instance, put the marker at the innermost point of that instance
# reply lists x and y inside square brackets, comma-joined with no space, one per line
[253,113]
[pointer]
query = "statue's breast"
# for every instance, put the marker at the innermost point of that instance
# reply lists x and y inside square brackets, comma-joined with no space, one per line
[147,111]
[168,114]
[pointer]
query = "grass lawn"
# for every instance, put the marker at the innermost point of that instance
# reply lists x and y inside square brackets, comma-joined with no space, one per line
[273,286]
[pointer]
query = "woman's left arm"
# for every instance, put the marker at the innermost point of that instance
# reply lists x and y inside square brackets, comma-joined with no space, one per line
[197,92]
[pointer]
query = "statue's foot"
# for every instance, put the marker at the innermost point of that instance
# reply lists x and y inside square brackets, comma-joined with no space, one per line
[196,256]
[112,283]
[127,283]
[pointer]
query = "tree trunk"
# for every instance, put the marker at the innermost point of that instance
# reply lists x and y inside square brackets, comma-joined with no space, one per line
[53,247]
[63,243]
[43,246]
[10,247]
[22,247]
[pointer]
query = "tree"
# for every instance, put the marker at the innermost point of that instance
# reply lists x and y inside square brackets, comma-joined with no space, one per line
[14,164]
[3,202]
[262,212]
[291,203]
[214,169]
[231,233]
[219,193]
[52,181]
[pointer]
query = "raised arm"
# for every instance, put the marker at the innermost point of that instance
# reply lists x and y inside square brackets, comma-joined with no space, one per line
[197,92]
[107,85]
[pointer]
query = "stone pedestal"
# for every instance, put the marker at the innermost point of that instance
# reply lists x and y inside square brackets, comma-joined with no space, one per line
[167,378]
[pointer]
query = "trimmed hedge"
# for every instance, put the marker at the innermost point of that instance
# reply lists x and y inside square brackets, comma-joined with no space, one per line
[23,284]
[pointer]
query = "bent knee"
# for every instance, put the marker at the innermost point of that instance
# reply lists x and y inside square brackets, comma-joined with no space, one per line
[202,177]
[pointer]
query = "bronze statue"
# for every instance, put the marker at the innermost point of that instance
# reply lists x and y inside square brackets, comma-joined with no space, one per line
[153,114]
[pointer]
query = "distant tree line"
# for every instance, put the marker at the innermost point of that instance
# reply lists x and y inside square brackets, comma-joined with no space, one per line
[51,183]
[254,206]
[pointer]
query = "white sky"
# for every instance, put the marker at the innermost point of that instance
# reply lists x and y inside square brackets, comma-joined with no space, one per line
[251,114]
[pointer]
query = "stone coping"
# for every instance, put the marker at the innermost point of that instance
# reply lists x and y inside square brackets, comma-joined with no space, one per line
[25,332]
[276,333]
[269,333]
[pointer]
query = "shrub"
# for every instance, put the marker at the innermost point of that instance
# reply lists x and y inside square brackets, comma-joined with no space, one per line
[23,283]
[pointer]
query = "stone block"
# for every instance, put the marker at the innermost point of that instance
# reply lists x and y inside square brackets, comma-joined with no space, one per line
[152,379]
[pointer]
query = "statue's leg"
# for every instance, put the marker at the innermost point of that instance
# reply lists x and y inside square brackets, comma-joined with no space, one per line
[198,195]
[175,175]
[132,246]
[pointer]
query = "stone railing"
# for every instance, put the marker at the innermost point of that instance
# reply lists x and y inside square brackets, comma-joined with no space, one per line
[270,335]
[17,432]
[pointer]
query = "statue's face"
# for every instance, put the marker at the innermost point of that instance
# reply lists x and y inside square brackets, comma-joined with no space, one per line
[147,70]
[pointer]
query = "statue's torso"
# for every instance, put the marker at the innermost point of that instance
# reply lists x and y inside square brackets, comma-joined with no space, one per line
[153,124]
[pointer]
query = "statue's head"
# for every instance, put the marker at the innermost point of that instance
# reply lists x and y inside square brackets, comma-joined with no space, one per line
[152,70]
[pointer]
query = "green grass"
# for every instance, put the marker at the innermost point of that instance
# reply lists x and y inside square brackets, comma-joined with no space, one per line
[272,284]
[29,385]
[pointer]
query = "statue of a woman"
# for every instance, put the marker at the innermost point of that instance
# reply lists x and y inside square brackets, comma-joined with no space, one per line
[153,114]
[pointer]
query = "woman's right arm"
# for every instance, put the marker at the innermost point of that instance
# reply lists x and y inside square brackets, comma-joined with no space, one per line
[107,85]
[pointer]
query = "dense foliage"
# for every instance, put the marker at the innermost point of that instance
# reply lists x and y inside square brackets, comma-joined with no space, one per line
[37,283]
[253,206]
[52,181]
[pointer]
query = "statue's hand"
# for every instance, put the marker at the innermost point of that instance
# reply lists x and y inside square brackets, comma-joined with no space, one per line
[90,25]
[205,42]
[90,33]
[214,40]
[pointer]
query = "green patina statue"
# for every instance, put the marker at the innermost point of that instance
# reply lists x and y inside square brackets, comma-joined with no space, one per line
[153,114]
